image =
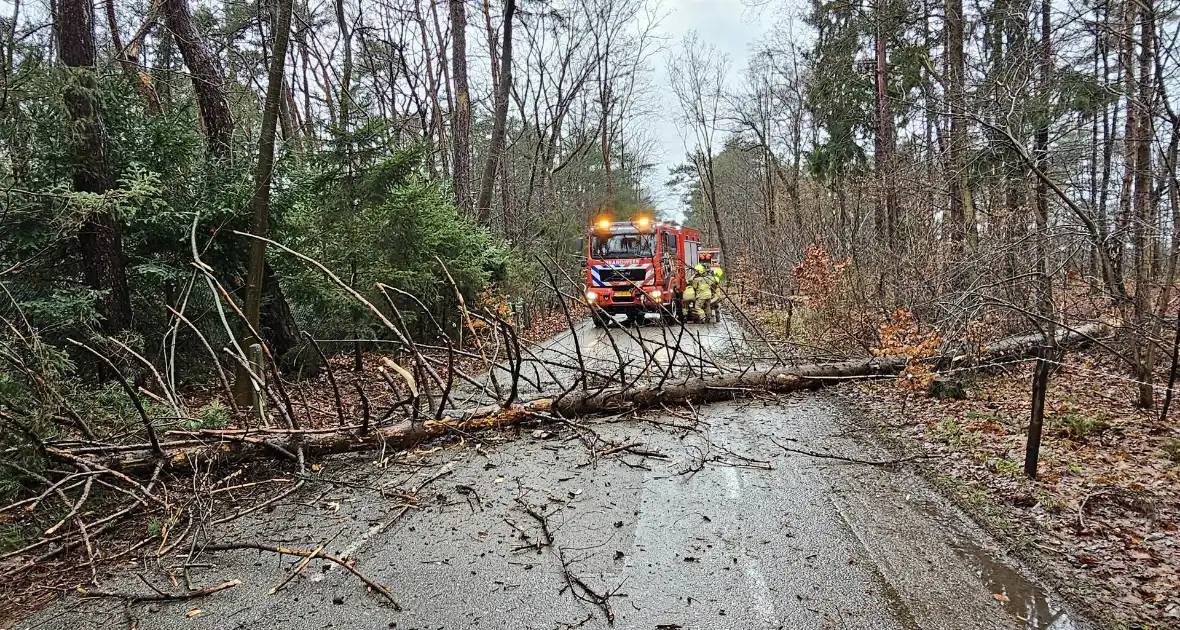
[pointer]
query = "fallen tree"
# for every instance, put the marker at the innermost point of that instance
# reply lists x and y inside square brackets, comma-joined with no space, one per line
[118,466]
[237,445]
[704,389]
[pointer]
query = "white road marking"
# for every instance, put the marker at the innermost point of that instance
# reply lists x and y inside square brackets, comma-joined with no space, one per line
[734,482]
[759,591]
[363,538]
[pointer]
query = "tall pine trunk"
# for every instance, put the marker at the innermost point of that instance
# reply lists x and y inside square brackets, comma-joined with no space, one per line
[487,183]
[956,158]
[208,80]
[101,237]
[461,112]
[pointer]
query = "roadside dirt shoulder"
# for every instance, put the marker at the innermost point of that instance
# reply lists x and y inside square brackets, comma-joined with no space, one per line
[1101,522]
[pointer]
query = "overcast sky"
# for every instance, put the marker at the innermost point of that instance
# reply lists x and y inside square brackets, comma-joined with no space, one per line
[733,28]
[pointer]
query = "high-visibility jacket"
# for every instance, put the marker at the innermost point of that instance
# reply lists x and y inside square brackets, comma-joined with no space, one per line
[703,284]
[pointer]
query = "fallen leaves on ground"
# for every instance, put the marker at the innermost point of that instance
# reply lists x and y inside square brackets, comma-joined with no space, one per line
[1103,515]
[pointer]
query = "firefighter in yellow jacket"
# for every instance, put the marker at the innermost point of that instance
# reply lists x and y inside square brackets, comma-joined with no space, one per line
[703,284]
[718,276]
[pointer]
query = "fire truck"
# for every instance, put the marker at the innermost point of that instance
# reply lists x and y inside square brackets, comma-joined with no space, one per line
[637,270]
[710,258]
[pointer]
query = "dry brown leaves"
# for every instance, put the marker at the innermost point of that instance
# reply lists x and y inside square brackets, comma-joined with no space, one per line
[901,337]
[552,323]
[817,274]
[1105,512]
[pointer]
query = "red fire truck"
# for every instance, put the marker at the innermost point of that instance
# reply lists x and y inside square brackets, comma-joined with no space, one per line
[710,258]
[636,270]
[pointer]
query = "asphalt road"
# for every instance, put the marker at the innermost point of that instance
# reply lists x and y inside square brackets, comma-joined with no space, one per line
[647,354]
[704,523]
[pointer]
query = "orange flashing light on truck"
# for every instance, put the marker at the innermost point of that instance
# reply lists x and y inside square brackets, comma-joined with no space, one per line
[710,258]
[637,270]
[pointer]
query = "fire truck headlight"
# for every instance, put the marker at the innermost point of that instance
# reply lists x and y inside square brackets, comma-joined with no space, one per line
[591,296]
[657,294]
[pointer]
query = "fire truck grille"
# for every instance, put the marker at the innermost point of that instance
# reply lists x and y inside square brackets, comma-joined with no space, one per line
[609,275]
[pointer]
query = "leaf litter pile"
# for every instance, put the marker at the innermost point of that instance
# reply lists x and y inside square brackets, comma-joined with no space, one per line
[1102,517]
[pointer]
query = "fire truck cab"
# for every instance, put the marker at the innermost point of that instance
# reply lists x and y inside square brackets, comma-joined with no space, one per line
[637,270]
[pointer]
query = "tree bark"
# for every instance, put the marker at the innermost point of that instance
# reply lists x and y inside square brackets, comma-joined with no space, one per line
[711,194]
[1126,62]
[461,113]
[487,183]
[278,323]
[444,72]
[345,76]
[605,147]
[956,158]
[128,57]
[8,45]
[1041,152]
[1040,382]
[208,80]
[260,199]
[1145,215]
[886,215]
[209,86]
[1173,258]
[432,81]
[486,5]
[234,445]
[101,237]
[1040,387]
[162,73]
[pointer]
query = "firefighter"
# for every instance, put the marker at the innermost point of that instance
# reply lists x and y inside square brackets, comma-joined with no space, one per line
[718,275]
[687,299]
[703,283]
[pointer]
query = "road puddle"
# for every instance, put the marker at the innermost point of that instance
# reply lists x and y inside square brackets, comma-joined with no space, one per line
[1023,599]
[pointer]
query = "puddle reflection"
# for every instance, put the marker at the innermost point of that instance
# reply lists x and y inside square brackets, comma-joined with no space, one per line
[1026,601]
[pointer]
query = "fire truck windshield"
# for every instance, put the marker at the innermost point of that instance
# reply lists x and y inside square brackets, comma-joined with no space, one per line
[623,246]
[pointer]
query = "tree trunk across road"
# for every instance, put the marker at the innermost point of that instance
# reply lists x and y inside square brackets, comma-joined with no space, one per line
[240,445]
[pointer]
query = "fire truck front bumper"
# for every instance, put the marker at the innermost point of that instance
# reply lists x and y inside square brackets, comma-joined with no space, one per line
[624,304]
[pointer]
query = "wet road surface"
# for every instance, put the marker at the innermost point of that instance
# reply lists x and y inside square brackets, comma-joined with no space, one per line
[703,523]
[647,353]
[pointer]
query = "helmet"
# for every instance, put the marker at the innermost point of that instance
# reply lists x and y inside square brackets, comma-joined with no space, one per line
[717,271]
[699,268]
